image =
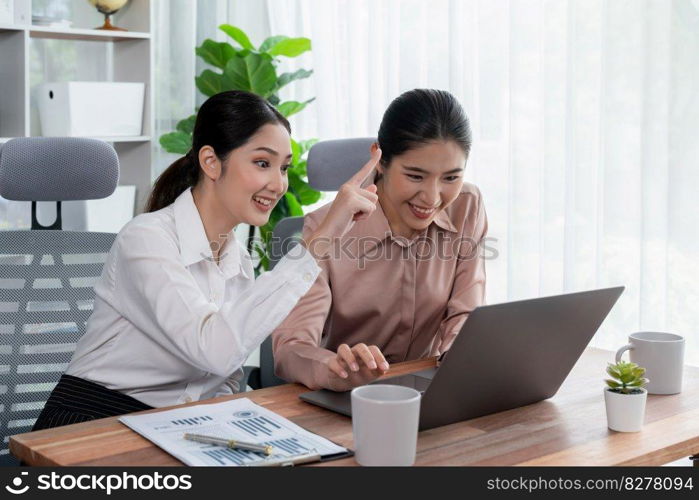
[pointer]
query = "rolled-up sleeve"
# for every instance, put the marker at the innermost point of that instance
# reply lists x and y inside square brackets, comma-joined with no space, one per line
[157,294]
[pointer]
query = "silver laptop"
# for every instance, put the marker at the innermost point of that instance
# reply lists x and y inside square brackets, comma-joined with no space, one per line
[506,356]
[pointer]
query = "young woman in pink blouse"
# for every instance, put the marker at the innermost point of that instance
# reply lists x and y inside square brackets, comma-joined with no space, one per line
[411,272]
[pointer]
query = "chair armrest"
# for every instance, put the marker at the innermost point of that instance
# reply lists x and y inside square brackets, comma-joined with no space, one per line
[251,377]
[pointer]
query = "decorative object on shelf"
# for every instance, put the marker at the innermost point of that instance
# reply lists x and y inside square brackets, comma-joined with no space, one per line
[625,396]
[108,8]
[244,67]
[91,109]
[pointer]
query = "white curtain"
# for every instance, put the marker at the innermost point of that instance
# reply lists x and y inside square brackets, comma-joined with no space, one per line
[585,115]
[179,26]
[174,37]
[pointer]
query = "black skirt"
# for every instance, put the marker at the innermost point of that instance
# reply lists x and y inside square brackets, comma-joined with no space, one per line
[75,400]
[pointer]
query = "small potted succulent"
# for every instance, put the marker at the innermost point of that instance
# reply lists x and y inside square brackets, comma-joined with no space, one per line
[625,396]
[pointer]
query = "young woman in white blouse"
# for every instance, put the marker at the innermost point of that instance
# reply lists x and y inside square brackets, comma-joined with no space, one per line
[177,309]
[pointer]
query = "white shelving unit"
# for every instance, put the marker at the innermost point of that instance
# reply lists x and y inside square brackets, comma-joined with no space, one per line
[131,61]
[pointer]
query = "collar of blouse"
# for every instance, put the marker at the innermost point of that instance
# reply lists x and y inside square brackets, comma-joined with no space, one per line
[194,245]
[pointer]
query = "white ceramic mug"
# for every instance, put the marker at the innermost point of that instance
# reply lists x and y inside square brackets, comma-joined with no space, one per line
[385,424]
[662,355]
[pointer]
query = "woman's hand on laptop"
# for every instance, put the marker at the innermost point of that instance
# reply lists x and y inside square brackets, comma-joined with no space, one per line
[360,363]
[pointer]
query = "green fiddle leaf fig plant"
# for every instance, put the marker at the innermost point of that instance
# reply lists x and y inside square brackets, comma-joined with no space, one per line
[241,66]
[627,378]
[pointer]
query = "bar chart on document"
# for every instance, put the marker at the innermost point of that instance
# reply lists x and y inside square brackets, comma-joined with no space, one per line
[241,420]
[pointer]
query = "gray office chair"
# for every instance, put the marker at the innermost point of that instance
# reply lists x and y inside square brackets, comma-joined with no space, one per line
[46,274]
[330,164]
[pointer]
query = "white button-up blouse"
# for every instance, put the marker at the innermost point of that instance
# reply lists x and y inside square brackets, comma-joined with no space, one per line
[169,324]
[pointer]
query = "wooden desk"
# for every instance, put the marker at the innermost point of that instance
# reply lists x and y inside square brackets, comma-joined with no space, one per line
[568,429]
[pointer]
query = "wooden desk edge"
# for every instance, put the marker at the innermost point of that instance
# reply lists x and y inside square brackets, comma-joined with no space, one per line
[20,444]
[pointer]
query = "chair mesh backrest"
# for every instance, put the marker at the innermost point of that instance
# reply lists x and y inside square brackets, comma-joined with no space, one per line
[46,295]
[57,168]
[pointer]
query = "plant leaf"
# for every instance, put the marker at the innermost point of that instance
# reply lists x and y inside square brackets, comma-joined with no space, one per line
[306,145]
[300,169]
[613,384]
[289,108]
[295,151]
[263,263]
[290,47]
[259,250]
[216,53]
[176,142]
[280,211]
[238,35]
[271,42]
[209,83]
[305,194]
[187,125]
[254,73]
[298,149]
[287,78]
[295,209]
[613,371]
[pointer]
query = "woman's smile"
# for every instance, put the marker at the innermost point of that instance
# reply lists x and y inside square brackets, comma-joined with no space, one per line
[263,204]
[422,212]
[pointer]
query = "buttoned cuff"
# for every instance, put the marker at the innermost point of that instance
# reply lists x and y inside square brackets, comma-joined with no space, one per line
[299,266]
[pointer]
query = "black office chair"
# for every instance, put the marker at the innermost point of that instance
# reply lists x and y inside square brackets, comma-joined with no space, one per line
[330,165]
[46,274]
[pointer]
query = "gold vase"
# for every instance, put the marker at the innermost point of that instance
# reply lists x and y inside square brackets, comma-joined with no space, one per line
[108,8]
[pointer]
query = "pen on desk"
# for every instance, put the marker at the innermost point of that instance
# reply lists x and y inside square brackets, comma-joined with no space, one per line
[303,458]
[229,443]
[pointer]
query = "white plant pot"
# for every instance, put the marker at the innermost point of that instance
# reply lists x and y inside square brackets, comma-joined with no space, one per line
[625,412]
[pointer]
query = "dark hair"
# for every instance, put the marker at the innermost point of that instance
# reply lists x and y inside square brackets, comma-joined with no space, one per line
[418,117]
[225,122]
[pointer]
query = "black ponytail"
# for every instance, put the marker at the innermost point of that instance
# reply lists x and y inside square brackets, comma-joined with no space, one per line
[226,121]
[178,177]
